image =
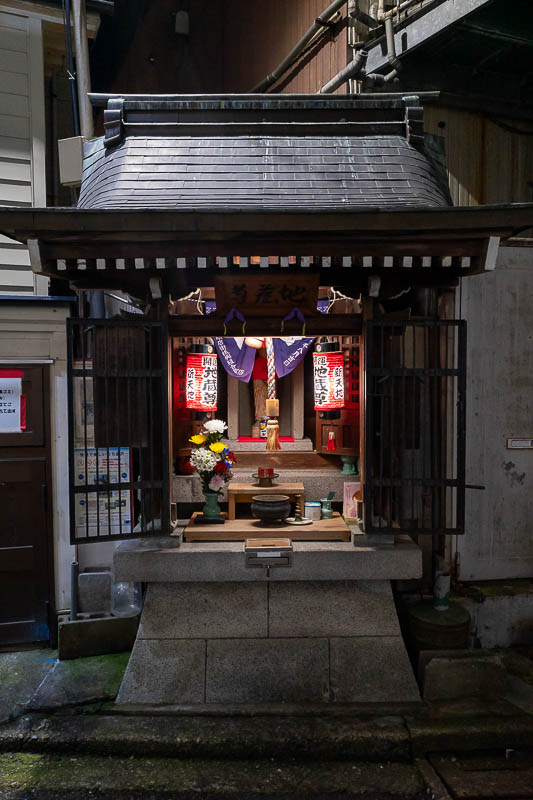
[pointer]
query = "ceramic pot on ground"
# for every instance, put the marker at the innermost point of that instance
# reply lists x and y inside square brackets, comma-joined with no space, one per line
[270,509]
[211,509]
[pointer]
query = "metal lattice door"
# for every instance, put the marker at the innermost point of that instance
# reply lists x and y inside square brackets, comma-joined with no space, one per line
[118,429]
[415,426]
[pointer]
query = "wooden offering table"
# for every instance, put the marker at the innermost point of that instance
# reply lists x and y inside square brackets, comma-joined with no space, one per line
[237,530]
[240,492]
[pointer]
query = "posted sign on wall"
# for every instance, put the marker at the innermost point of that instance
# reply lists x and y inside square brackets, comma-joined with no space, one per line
[10,402]
[107,512]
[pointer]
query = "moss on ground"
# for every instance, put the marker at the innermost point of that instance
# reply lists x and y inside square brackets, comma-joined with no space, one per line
[486,589]
[107,669]
[32,771]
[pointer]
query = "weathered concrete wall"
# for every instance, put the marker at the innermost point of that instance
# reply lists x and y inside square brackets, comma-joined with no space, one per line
[499,521]
[501,613]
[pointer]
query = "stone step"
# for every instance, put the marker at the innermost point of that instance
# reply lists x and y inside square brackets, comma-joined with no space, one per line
[45,776]
[138,732]
[345,734]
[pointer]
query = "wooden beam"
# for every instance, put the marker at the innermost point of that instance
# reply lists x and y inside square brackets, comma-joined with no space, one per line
[319,325]
[180,282]
[307,246]
[472,221]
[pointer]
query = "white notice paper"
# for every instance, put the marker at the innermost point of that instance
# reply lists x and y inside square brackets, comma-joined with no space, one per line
[10,392]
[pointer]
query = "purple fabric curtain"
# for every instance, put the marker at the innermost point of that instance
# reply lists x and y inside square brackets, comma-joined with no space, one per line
[289,351]
[235,356]
[238,359]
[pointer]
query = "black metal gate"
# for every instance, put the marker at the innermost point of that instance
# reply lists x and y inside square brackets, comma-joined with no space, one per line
[414,476]
[118,429]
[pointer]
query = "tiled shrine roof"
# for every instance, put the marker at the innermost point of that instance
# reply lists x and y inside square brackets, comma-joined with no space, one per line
[263,172]
[181,189]
[241,152]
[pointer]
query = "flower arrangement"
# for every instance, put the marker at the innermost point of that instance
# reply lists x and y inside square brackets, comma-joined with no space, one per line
[210,457]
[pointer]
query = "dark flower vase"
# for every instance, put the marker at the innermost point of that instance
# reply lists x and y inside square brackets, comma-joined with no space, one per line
[211,509]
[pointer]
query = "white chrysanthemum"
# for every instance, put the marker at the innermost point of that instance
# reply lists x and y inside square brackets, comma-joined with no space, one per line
[203,460]
[215,426]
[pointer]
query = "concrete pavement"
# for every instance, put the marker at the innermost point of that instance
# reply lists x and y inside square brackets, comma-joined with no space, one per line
[63,737]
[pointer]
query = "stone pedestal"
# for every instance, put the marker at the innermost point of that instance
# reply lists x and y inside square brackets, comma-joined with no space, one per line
[214,631]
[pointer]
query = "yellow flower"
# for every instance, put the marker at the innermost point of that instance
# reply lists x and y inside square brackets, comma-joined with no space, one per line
[217,447]
[198,438]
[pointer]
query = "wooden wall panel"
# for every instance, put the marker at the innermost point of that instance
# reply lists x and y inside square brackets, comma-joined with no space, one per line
[160,61]
[258,35]
[232,45]
[463,136]
[508,164]
[486,163]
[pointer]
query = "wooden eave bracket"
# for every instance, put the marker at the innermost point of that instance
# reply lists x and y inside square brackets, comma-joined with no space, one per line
[414,121]
[114,122]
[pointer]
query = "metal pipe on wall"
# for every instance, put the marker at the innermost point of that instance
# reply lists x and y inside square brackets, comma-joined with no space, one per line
[320,22]
[83,75]
[362,16]
[74,573]
[356,67]
[383,15]
[350,71]
[71,71]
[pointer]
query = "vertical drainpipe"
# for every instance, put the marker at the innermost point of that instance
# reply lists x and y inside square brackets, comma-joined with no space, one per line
[352,38]
[83,75]
[83,81]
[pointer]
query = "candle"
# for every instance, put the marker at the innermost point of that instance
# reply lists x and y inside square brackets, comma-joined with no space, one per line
[272,408]
[265,472]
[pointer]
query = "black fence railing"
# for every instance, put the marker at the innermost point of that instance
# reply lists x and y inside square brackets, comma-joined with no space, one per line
[118,429]
[415,426]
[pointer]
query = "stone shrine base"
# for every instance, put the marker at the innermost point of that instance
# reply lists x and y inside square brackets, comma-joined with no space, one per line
[213,631]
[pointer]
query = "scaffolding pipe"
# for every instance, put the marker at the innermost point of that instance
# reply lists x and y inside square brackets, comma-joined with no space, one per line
[322,21]
[383,15]
[353,69]
[362,16]
[83,76]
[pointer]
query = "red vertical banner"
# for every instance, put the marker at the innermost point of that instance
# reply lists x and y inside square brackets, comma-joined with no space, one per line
[201,382]
[328,374]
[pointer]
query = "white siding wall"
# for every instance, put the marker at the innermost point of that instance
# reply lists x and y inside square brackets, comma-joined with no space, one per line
[22,140]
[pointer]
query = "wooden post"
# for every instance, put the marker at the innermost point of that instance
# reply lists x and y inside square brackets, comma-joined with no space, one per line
[367,310]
